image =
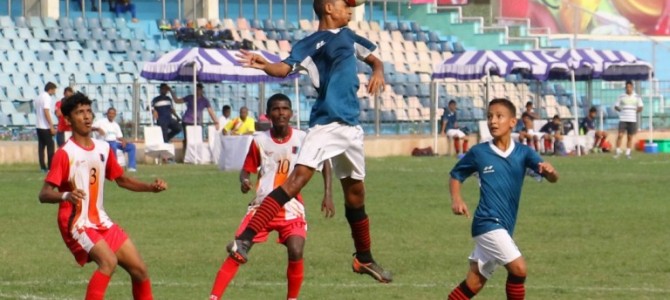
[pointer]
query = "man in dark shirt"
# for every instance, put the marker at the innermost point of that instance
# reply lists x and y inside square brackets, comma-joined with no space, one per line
[552,134]
[587,126]
[163,112]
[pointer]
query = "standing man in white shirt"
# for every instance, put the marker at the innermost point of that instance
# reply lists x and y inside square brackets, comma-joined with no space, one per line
[111,132]
[225,117]
[628,105]
[45,126]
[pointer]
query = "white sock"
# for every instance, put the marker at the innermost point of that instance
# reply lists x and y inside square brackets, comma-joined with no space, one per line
[618,151]
[627,151]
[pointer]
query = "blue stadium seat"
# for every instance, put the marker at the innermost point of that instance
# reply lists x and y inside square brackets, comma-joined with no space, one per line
[59,56]
[432,46]
[14,56]
[390,26]
[139,33]
[97,34]
[458,47]
[399,89]
[96,78]
[68,34]
[73,45]
[106,45]
[20,21]
[411,90]
[5,120]
[19,119]
[125,33]
[107,23]
[8,68]
[6,22]
[64,22]
[53,67]
[93,23]
[121,45]
[421,36]
[49,22]
[35,22]
[268,24]
[434,36]
[111,34]
[24,67]
[120,23]
[408,36]
[39,34]
[403,26]
[83,34]
[89,54]
[280,24]
[256,24]
[135,45]
[70,67]
[415,27]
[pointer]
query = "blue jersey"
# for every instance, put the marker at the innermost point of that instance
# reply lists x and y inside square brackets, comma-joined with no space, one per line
[501,176]
[329,57]
[163,106]
[586,124]
[450,118]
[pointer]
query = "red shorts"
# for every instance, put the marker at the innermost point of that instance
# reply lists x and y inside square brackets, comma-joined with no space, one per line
[81,242]
[285,228]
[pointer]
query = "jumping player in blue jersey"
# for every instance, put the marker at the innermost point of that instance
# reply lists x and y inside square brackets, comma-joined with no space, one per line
[501,165]
[329,56]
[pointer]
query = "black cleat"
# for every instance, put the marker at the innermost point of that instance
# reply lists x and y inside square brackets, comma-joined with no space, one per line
[373,269]
[238,249]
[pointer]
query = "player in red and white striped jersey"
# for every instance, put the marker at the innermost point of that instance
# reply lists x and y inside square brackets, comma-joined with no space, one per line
[272,155]
[76,182]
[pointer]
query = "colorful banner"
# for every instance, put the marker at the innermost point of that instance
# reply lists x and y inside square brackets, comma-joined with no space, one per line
[600,17]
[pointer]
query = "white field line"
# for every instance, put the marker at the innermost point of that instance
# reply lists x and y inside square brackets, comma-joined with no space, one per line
[82,283]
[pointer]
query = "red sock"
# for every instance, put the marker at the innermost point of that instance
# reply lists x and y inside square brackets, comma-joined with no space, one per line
[294,274]
[97,286]
[547,145]
[142,290]
[515,288]
[226,273]
[461,292]
[457,146]
[360,232]
[465,145]
[265,213]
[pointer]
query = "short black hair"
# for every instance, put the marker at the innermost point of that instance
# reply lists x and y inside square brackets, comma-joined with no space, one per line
[163,85]
[529,103]
[49,86]
[199,86]
[68,89]
[452,101]
[277,97]
[504,102]
[70,103]
[319,7]
[556,117]
[225,107]
[111,108]
[593,109]
[629,82]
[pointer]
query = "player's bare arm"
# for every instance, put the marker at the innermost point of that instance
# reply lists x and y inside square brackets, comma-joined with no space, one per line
[256,61]
[49,194]
[245,184]
[458,207]
[548,171]
[135,185]
[376,83]
[327,206]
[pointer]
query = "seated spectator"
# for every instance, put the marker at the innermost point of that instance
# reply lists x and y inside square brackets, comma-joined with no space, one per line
[241,125]
[111,132]
[552,134]
[451,129]
[225,116]
[528,136]
[124,6]
[587,126]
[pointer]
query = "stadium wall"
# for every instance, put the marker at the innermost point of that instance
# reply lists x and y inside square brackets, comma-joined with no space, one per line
[22,152]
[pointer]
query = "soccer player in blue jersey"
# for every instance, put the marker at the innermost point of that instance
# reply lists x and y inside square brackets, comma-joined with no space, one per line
[329,57]
[501,165]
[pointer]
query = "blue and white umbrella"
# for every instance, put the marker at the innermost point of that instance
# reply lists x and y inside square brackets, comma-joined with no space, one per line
[611,65]
[211,65]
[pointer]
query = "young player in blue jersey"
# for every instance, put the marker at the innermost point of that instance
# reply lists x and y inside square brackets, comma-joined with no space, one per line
[501,166]
[329,56]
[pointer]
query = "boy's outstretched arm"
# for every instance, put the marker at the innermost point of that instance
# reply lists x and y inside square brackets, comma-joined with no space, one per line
[135,185]
[256,61]
[376,83]
[457,205]
[548,171]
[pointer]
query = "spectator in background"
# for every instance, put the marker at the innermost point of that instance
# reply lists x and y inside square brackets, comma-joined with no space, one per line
[111,132]
[628,105]
[241,125]
[587,126]
[451,129]
[63,127]
[163,111]
[45,127]
[528,136]
[124,6]
[225,117]
[552,134]
[188,118]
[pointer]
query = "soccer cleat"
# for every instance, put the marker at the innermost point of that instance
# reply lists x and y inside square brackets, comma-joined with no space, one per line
[373,269]
[238,249]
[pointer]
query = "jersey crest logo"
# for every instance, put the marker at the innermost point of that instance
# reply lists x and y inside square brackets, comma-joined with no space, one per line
[102,158]
[320,44]
[488,169]
[295,149]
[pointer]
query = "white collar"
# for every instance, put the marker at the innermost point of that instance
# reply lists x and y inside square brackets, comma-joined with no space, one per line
[500,153]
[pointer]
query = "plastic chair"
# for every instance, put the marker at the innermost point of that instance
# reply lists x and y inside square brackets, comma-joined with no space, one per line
[197,151]
[154,146]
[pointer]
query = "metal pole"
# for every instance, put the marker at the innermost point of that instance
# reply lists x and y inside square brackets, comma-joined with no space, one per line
[256,9]
[285,11]
[385,3]
[67,8]
[99,9]
[370,16]
[23,8]
[299,10]
[433,113]
[574,111]
[164,12]
[270,9]
[83,9]
[240,6]
[9,8]
[399,10]
[377,115]
[179,16]
[136,107]
[195,13]
[651,109]
[297,101]
[225,11]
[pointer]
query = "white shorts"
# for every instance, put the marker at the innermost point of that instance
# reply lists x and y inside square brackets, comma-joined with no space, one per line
[342,144]
[591,134]
[455,133]
[492,249]
[534,134]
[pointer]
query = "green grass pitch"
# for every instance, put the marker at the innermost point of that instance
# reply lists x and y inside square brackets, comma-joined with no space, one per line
[601,232]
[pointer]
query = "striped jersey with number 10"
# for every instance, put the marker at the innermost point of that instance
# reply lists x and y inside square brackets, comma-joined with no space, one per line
[274,160]
[75,167]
